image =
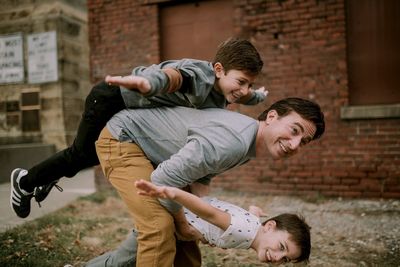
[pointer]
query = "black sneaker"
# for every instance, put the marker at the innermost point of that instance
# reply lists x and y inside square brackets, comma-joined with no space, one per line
[20,200]
[41,192]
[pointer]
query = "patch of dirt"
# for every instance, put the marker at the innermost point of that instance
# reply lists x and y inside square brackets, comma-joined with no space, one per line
[344,232]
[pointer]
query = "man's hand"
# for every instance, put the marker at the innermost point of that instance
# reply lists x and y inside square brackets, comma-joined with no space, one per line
[184,231]
[130,82]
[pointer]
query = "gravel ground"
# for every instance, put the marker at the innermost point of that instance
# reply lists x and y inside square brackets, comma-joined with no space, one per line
[344,232]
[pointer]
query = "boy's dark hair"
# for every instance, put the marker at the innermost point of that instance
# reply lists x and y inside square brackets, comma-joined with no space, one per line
[308,110]
[239,54]
[298,230]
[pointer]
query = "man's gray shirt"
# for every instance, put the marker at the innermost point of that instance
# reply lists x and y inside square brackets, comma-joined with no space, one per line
[188,145]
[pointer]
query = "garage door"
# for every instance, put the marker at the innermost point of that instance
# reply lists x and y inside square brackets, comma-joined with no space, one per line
[194,30]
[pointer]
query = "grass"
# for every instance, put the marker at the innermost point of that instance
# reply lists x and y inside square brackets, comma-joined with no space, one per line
[83,230]
[62,237]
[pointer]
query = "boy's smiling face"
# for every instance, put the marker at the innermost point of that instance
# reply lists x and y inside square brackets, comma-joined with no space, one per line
[276,245]
[233,84]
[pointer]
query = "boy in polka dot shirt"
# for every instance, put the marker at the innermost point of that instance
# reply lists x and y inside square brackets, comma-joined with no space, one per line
[283,238]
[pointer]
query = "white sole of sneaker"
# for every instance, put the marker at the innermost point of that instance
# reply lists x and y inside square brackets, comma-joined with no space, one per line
[11,188]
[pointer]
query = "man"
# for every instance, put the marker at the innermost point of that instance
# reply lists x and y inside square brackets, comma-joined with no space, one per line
[192,146]
[186,82]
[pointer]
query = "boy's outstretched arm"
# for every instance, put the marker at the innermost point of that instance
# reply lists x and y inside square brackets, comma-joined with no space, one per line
[193,203]
[130,82]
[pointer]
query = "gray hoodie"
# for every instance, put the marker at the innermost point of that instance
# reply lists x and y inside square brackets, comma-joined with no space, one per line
[197,93]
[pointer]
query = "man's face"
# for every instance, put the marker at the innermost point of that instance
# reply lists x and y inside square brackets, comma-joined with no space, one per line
[276,245]
[233,84]
[284,136]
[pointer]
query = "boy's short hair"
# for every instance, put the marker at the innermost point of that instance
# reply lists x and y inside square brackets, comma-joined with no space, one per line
[298,230]
[307,109]
[239,54]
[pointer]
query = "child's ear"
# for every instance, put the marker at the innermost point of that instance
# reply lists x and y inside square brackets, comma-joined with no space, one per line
[218,69]
[270,225]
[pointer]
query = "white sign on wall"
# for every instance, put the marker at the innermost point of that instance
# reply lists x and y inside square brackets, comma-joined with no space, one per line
[42,57]
[11,58]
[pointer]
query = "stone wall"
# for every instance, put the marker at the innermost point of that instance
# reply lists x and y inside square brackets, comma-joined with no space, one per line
[61,102]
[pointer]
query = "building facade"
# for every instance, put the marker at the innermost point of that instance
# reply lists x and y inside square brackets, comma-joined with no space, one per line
[341,54]
[44,78]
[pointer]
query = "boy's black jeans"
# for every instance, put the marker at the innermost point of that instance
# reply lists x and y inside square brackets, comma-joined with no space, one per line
[101,104]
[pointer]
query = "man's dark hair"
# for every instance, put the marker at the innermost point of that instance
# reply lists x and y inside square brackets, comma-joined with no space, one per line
[307,109]
[239,54]
[299,232]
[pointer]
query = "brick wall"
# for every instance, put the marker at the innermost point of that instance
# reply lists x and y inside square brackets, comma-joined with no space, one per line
[122,34]
[303,44]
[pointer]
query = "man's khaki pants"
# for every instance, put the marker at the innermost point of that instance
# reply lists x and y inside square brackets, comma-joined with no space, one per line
[123,164]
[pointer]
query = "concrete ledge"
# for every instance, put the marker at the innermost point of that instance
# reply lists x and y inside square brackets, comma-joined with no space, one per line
[23,156]
[81,185]
[370,112]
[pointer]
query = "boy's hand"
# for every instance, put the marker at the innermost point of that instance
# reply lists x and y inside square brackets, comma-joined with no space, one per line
[245,98]
[262,90]
[145,188]
[130,82]
[257,211]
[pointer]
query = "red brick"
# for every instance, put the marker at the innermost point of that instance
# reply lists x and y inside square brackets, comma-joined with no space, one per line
[369,194]
[304,186]
[330,180]
[340,188]
[350,181]
[391,194]
[351,194]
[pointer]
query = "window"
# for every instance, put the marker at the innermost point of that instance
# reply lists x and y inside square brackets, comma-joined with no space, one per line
[373,42]
[194,29]
[30,108]
[373,60]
